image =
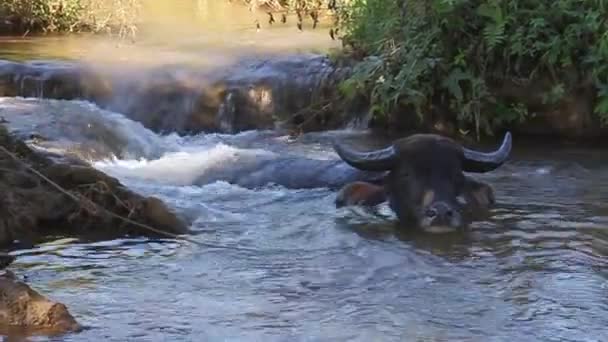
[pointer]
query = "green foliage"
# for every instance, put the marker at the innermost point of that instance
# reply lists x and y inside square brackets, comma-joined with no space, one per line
[72,15]
[50,15]
[452,54]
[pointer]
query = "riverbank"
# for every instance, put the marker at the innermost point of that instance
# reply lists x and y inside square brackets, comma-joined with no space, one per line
[481,67]
[502,77]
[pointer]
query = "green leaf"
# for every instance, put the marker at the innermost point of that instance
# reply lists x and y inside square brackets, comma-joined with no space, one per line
[452,82]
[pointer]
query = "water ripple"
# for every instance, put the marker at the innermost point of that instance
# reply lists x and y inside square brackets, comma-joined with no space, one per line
[298,269]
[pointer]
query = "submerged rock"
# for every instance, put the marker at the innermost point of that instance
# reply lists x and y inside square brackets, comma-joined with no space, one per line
[26,310]
[32,210]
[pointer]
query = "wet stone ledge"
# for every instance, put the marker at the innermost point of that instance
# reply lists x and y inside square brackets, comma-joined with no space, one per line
[52,79]
[254,94]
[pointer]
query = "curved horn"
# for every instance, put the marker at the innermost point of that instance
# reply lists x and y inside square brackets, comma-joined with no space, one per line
[379,160]
[475,161]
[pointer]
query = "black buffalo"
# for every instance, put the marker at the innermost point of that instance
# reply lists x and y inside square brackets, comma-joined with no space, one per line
[425,184]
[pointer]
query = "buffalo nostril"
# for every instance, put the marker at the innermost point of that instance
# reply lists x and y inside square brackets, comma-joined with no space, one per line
[431,212]
[449,213]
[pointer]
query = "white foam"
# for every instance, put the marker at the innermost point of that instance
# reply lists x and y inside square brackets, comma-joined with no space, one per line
[177,168]
[72,122]
[136,133]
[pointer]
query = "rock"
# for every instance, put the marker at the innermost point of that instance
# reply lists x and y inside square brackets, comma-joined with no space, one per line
[286,92]
[159,216]
[248,95]
[24,308]
[271,92]
[32,210]
[57,80]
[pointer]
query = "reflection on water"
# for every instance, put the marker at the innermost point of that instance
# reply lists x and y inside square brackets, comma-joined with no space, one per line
[212,33]
[535,271]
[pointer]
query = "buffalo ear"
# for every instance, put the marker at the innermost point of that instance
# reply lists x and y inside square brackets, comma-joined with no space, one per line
[479,196]
[360,193]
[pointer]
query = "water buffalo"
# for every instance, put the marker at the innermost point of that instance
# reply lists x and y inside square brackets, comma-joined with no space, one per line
[425,185]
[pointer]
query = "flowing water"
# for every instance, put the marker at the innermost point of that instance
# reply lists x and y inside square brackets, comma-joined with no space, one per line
[288,266]
[292,267]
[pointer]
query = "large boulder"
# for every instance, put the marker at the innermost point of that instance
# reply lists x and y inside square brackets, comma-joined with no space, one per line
[32,209]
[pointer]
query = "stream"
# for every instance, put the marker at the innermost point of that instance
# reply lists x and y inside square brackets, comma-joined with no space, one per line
[291,267]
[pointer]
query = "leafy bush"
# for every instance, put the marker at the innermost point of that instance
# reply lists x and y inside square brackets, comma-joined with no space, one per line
[423,54]
[72,15]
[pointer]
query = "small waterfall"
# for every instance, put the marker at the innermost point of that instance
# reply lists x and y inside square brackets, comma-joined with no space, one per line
[226,114]
[52,79]
[251,94]
[82,129]
[30,83]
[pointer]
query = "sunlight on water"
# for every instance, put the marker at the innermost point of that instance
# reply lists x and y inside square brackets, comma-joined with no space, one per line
[205,33]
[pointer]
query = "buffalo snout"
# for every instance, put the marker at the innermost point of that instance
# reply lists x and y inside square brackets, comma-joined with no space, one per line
[441,216]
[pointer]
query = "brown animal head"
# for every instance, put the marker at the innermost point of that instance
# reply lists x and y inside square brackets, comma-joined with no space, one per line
[426,176]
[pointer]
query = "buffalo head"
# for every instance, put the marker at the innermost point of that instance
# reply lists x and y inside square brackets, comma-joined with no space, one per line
[425,177]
